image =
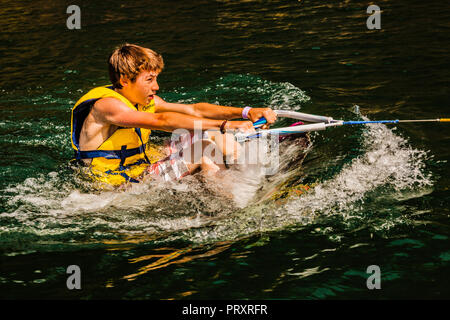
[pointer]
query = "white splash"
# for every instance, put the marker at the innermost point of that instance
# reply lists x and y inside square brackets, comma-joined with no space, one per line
[387,162]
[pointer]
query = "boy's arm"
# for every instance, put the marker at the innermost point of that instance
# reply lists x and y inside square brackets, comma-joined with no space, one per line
[212,111]
[113,111]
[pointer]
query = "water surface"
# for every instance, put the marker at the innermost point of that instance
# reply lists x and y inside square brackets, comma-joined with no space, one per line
[379,194]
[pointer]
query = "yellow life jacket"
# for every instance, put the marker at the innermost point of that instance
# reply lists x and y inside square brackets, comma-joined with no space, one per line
[122,157]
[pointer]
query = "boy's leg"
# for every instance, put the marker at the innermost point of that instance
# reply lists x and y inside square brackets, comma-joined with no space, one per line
[227,145]
[202,154]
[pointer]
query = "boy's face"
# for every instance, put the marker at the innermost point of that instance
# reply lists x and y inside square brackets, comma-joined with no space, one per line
[141,91]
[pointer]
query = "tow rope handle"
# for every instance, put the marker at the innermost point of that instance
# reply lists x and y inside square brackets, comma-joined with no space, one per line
[263,120]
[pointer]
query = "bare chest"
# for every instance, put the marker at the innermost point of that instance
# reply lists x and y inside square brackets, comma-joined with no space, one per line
[94,133]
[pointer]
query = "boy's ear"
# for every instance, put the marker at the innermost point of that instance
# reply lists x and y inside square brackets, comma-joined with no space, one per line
[124,80]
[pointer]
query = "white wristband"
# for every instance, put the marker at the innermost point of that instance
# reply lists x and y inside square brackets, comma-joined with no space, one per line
[245,112]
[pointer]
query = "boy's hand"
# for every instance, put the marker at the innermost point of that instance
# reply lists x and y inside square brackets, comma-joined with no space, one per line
[256,113]
[243,126]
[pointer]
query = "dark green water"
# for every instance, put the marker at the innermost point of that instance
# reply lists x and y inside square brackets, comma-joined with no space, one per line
[381,194]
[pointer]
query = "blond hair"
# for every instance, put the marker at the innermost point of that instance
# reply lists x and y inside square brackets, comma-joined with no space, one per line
[129,60]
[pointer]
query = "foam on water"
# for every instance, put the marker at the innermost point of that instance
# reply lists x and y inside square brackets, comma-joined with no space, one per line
[388,162]
[36,133]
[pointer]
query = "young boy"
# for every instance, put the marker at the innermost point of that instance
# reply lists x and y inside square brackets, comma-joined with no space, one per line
[111,125]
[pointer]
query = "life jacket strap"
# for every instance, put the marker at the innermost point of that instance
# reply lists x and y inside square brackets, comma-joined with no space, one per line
[123,174]
[138,132]
[122,156]
[110,154]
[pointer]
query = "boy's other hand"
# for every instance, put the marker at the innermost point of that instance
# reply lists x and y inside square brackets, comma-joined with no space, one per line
[257,113]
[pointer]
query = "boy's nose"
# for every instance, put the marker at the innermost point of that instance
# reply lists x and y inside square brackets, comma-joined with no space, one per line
[155,86]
